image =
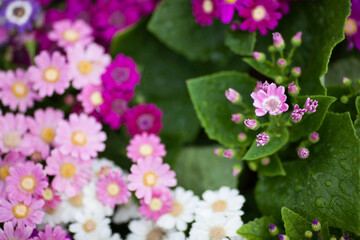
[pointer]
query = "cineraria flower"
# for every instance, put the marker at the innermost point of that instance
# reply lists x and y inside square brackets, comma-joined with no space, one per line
[352,26]
[56,216]
[205,10]
[121,73]
[112,189]
[144,118]
[56,234]
[21,232]
[260,14]
[27,213]
[182,212]
[298,113]
[25,181]
[272,101]
[150,173]
[19,14]
[87,64]
[310,105]
[11,159]
[91,202]
[91,98]
[70,173]
[262,139]
[145,230]
[51,74]
[68,33]
[16,90]
[51,198]
[159,204]
[81,136]
[144,145]
[227,9]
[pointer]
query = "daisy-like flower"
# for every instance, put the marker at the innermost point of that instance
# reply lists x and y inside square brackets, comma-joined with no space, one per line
[68,33]
[144,118]
[16,90]
[51,198]
[260,14]
[25,181]
[159,204]
[55,216]
[92,203]
[19,14]
[144,145]
[51,74]
[150,173]
[81,136]
[21,232]
[71,173]
[205,10]
[126,212]
[144,230]
[27,213]
[352,26]
[87,64]
[227,9]
[112,189]
[56,234]
[91,98]
[182,212]
[272,101]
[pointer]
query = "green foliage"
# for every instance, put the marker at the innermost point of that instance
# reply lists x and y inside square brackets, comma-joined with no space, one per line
[257,229]
[295,225]
[274,168]
[357,120]
[346,67]
[265,68]
[241,43]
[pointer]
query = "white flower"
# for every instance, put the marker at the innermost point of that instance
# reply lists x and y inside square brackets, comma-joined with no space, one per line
[184,206]
[16,6]
[92,203]
[103,166]
[176,236]
[54,217]
[126,212]
[145,230]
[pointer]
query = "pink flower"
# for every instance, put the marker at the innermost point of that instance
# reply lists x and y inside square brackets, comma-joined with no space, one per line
[144,118]
[272,101]
[112,189]
[51,198]
[160,204]
[293,89]
[21,232]
[237,117]
[26,213]
[150,173]
[91,98]
[262,139]
[310,105]
[25,181]
[68,33]
[259,56]
[260,14]
[227,9]
[205,10]
[228,153]
[70,173]
[278,40]
[51,74]
[145,145]
[298,113]
[16,90]
[52,234]
[81,136]
[87,64]
[352,26]
[303,152]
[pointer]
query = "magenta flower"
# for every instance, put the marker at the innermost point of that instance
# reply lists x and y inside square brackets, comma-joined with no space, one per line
[303,152]
[260,14]
[298,113]
[227,9]
[262,139]
[51,198]
[205,10]
[352,26]
[272,101]
[160,204]
[310,105]
[150,173]
[145,145]
[144,118]
[52,234]
[91,98]
[21,232]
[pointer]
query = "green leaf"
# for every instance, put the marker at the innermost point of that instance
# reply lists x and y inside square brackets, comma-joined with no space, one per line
[274,168]
[199,169]
[357,120]
[310,122]
[265,68]
[324,232]
[278,138]
[214,110]
[295,225]
[346,67]
[240,42]
[324,186]
[174,24]
[257,229]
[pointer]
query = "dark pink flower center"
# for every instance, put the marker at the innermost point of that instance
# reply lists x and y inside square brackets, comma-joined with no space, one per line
[145,122]
[120,74]
[119,106]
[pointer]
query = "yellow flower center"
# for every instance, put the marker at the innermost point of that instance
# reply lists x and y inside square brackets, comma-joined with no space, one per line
[28,183]
[150,179]
[96,98]
[259,13]
[78,138]
[89,225]
[156,234]
[208,6]
[47,134]
[48,194]
[19,89]
[219,206]
[77,201]
[230,1]
[51,74]
[146,150]
[85,67]
[71,35]
[350,27]
[217,233]
[20,210]
[67,170]
[177,209]
[155,204]
[11,140]
[113,189]
[4,172]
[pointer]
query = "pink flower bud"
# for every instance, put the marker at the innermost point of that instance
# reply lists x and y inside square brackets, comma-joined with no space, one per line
[293,89]
[251,123]
[314,137]
[278,41]
[232,95]
[297,39]
[228,153]
[296,71]
[303,152]
[237,117]
[262,139]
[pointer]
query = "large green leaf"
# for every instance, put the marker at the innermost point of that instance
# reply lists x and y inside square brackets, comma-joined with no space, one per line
[324,186]
[257,229]
[241,43]
[214,110]
[295,225]
[199,169]
[265,68]
[357,120]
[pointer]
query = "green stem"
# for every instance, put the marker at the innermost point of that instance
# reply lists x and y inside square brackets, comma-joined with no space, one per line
[291,54]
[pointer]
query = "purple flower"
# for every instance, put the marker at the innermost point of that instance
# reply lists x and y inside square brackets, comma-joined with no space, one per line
[316,226]
[205,10]
[273,230]
[232,95]
[310,105]
[352,25]
[227,9]
[228,153]
[283,237]
[298,113]
[262,139]
[251,123]
[303,152]
[261,86]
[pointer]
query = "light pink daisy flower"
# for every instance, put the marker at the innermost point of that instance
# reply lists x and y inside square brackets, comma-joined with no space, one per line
[67,33]
[36,148]
[272,101]
[27,213]
[112,189]
[144,145]
[52,234]
[91,98]
[150,173]
[51,198]
[87,64]
[51,74]
[25,181]
[160,204]
[81,136]
[21,232]
[16,90]
[70,173]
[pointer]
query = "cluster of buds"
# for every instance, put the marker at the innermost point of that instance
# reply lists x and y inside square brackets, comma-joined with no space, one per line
[309,107]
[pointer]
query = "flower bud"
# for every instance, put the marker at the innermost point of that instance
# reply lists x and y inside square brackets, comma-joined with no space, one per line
[228,153]
[265,161]
[296,71]
[308,234]
[279,80]
[273,230]
[314,137]
[242,137]
[303,153]
[278,40]
[281,63]
[271,49]
[344,99]
[333,238]
[293,89]
[218,151]
[259,56]
[253,165]
[237,117]
[236,169]
[346,82]
[232,95]
[316,226]
[296,39]
[283,237]
[252,124]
